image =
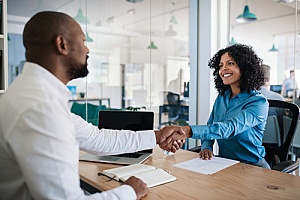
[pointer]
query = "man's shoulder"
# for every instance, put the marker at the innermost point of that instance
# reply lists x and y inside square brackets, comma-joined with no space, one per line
[272,95]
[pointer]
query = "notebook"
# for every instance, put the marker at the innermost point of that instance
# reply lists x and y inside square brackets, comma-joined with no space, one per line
[126,120]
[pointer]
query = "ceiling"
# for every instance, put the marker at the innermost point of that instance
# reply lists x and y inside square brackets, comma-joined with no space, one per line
[274,18]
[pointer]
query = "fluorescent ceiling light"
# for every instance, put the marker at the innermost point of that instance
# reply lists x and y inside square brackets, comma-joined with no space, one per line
[131,11]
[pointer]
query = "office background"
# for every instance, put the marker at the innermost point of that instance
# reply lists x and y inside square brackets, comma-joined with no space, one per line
[139,48]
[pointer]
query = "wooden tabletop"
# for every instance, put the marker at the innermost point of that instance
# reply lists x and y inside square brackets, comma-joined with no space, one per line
[240,181]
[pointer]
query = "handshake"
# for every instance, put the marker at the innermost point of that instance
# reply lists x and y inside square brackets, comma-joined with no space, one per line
[171,138]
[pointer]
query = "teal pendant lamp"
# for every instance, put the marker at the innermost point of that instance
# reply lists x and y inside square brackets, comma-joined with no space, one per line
[81,18]
[88,38]
[173,20]
[273,49]
[232,41]
[246,16]
[170,31]
[152,46]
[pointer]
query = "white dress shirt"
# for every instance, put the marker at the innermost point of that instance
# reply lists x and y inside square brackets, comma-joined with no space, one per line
[39,140]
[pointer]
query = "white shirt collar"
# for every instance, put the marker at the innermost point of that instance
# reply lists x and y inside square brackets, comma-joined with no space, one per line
[37,70]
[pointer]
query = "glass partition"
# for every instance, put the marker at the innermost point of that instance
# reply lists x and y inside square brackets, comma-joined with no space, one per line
[274,35]
[139,50]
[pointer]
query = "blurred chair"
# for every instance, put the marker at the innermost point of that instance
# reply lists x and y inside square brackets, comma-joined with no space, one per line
[277,156]
[91,115]
[296,140]
[272,135]
[171,108]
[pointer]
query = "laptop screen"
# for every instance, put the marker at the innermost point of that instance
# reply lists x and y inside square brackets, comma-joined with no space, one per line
[126,120]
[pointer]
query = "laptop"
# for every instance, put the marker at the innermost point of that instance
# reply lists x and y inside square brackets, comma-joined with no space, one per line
[123,120]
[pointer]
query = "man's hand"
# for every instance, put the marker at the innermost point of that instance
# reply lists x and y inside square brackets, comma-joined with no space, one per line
[138,185]
[206,154]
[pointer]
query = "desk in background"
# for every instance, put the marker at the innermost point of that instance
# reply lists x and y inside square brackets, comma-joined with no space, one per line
[92,99]
[179,112]
[240,181]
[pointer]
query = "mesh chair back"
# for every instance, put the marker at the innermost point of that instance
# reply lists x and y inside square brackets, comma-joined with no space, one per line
[292,110]
[272,132]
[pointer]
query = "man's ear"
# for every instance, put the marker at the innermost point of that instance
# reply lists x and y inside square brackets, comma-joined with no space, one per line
[61,45]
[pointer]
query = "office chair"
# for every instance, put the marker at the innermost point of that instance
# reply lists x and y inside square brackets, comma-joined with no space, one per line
[172,108]
[277,156]
[272,135]
[92,111]
[296,140]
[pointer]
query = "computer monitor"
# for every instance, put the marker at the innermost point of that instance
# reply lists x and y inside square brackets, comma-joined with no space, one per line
[276,88]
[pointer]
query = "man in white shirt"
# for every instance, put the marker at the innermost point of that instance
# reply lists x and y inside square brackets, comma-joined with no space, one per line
[289,84]
[39,136]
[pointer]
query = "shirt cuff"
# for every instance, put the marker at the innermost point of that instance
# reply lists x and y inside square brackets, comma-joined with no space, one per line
[148,139]
[125,192]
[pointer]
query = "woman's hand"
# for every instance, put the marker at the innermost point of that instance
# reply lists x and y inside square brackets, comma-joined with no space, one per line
[206,154]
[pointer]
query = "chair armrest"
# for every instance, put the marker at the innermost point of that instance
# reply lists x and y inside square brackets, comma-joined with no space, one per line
[196,149]
[287,166]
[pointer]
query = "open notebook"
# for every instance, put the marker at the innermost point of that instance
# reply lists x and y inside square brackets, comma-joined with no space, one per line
[150,175]
[126,120]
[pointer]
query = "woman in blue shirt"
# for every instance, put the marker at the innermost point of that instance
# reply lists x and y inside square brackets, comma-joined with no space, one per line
[239,114]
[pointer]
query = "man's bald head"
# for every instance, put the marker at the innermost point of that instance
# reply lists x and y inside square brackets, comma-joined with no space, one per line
[56,42]
[40,31]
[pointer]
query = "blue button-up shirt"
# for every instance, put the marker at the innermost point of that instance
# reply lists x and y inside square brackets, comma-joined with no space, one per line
[237,124]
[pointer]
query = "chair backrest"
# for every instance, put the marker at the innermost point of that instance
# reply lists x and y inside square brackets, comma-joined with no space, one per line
[173,98]
[92,111]
[272,131]
[286,123]
[296,140]
[292,110]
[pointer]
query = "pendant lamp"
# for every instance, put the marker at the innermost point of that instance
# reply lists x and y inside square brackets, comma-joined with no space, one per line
[286,1]
[232,41]
[81,18]
[170,31]
[173,20]
[152,46]
[246,16]
[273,49]
[88,38]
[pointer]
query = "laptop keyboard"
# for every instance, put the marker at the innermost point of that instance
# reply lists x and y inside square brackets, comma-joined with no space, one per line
[129,155]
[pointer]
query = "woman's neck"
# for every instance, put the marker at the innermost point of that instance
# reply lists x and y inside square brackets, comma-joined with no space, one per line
[235,91]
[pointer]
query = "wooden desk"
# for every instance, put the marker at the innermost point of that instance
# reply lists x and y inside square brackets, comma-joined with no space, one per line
[239,181]
[92,99]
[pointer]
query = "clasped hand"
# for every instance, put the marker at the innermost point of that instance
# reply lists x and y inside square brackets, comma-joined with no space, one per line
[171,138]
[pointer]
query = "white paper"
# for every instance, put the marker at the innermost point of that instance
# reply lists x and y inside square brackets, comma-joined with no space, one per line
[206,166]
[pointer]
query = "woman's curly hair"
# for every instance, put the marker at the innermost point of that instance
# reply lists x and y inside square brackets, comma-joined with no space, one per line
[252,74]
